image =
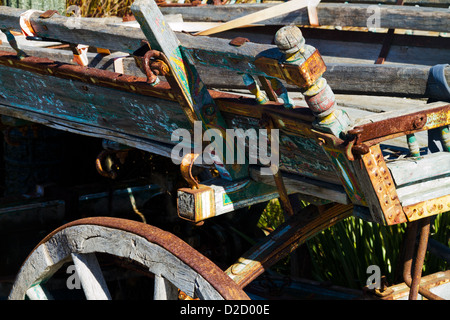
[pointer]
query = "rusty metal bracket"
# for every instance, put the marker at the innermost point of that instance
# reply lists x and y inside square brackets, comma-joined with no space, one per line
[383,186]
[354,146]
[48,14]
[153,63]
[349,146]
[427,208]
[303,76]
[372,133]
[186,169]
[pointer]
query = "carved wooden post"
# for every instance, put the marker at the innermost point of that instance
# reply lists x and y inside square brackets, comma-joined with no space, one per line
[308,76]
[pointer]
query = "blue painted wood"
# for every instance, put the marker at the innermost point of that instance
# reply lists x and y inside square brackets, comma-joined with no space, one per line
[94,106]
[196,97]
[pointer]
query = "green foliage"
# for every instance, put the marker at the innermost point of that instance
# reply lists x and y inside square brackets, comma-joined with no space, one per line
[272,216]
[342,253]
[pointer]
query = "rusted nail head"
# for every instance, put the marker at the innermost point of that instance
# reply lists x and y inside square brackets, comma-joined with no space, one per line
[47,14]
[419,122]
[239,41]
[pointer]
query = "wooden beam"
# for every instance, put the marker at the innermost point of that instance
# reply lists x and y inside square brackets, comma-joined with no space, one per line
[426,3]
[346,78]
[305,186]
[332,14]
[216,197]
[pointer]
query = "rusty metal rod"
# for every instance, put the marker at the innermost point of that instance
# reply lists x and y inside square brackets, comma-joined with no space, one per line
[413,281]
[420,256]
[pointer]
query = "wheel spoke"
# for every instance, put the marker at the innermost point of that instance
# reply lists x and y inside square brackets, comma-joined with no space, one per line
[38,293]
[91,276]
[164,290]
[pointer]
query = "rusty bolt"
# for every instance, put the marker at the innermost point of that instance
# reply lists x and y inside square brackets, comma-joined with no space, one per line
[419,122]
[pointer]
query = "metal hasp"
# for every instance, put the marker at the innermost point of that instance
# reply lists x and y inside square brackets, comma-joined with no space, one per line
[193,95]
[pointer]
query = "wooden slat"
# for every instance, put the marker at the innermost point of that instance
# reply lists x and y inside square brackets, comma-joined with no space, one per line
[268,13]
[411,80]
[410,170]
[423,191]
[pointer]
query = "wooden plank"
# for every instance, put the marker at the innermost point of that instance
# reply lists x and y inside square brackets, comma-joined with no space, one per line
[424,191]
[87,130]
[268,13]
[91,276]
[92,105]
[411,170]
[437,3]
[361,79]
[332,14]
[402,112]
[218,196]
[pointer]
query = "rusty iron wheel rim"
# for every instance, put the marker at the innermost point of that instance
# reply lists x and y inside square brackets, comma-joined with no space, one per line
[201,265]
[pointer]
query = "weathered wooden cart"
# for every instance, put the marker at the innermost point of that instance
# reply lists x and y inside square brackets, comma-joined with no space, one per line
[371,166]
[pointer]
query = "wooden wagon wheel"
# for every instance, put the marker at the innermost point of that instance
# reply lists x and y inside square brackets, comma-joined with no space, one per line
[174,263]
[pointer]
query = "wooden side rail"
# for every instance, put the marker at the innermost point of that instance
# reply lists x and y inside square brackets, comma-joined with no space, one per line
[330,14]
